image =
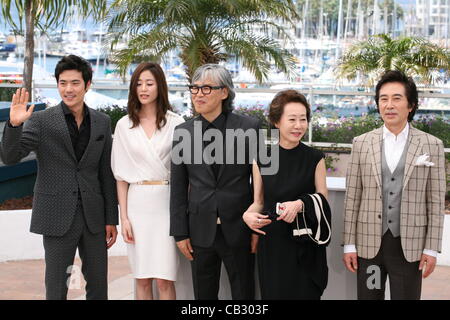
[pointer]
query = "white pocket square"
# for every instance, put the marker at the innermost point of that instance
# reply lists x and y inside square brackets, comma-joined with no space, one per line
[423,160]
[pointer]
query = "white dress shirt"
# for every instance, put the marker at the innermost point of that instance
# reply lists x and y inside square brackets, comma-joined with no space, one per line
[393,150]
[394,146]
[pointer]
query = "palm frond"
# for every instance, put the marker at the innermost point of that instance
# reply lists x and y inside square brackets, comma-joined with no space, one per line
[147,46]
[202,30]
[415,56]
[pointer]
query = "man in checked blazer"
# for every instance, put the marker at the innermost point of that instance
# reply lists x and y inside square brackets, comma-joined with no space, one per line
[394,204]
[75,202]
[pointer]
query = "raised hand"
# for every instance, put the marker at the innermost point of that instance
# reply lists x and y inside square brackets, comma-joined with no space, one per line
[18,113]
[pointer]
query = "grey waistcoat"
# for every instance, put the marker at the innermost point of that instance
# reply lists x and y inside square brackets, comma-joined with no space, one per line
[392,192]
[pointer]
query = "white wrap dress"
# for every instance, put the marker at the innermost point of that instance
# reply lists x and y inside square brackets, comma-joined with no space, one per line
[135,158]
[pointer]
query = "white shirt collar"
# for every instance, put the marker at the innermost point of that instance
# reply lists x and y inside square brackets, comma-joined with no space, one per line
[403,135]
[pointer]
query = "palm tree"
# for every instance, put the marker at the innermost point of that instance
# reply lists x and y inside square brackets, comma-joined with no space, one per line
[414,56]
[204,31]
[43,14]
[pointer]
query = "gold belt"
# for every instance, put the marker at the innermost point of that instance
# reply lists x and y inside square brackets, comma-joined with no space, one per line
[153,183]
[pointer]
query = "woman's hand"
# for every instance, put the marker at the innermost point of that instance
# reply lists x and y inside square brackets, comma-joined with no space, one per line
[127,231]
[288,210]
[256,220]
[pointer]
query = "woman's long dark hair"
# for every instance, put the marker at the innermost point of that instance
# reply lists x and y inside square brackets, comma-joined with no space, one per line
[162,101]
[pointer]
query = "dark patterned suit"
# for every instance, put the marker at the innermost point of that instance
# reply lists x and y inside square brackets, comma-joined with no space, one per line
[73,200]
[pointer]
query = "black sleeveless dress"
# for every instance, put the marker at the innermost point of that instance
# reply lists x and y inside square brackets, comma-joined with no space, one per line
[288,269]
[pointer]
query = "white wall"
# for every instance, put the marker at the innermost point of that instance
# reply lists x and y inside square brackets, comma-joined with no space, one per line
[443,259]
[18,243]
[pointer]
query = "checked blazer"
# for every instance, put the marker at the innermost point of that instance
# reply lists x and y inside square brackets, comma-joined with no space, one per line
[60,177]
[422,203]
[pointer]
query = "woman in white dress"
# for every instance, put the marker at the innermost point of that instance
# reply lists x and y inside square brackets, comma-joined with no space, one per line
[141,165]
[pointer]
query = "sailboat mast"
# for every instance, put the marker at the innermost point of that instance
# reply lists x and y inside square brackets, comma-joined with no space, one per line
[338,39]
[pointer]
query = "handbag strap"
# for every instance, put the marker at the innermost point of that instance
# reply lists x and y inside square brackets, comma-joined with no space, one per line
[318,206]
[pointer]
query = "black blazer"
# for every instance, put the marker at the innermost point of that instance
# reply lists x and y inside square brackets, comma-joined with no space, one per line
[60,175]
[197,198]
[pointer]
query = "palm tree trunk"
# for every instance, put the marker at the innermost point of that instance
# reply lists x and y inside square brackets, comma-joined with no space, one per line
[30,13]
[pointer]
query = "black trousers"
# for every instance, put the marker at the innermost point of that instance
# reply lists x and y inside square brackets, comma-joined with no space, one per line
[405,278]
[60,255]
[239,263]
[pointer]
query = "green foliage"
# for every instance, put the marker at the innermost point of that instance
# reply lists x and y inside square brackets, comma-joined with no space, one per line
[6,93]
[204,31]
[48,13]
[436,126]
[417,57]
[256,112]
[115,113]
[343,130]
[330,163]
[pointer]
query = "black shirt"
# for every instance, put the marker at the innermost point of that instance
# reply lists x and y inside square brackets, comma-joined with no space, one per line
[79,136]
[218,123]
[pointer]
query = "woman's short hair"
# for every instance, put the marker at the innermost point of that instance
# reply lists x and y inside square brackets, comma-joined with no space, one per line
[410,89]
[162,101]
[281,99]
[222,77]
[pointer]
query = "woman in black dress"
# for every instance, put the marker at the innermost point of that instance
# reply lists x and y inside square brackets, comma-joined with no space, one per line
[289,269]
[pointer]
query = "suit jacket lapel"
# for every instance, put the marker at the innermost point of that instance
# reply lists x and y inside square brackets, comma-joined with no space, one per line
[61,126]
[375,153]
[413,145]
[94,133]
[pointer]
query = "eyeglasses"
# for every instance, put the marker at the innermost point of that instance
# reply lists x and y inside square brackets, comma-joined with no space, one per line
[205,89]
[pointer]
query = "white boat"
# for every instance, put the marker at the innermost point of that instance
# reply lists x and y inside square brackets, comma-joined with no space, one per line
[15,69]
[91,51]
